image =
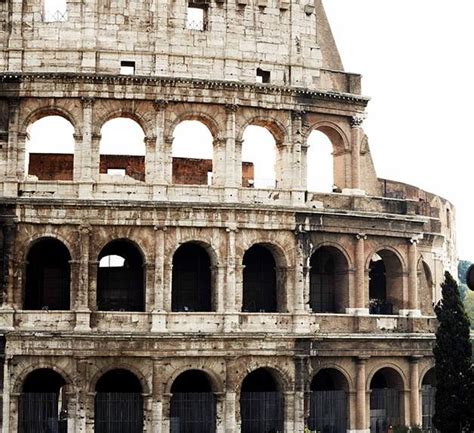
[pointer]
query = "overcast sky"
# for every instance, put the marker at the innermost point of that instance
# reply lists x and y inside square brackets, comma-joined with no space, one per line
[416,58]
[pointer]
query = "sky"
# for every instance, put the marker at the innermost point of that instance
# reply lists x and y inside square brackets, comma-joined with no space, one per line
[416,58]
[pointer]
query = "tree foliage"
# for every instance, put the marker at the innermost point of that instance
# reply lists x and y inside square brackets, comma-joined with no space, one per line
[454,405]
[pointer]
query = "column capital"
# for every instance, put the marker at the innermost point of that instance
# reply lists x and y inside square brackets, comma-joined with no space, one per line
[297,114]
[150,140]
[231,108]
[357,120]
[232,228]
[87,101]
[361,236]
[157,228]
[415,359]
[415,238]
[85,229]
[22,136]
[361,359]
[160,104]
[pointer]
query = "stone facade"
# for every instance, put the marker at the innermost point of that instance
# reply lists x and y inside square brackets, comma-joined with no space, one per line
[70,68]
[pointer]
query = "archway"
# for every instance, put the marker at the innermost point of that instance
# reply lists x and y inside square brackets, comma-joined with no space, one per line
[428,393]
[259,281]
[122,149]
[120,278]
[48,276]
[50,149]
[386,396]
[261,403]
[328,281]
[42,403]
[385,283]
[328,402]
[118,403]
[259,158]
[192,279]
[193,153]
[320,163]
[193,404]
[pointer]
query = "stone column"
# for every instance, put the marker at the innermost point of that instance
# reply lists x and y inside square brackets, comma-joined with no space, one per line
[220,412]
[150,272]
[150,155]
[301,381]
[283,169]
[232,173]
[413,304]
[218,278]
[230,411]
[11,179]
[415,407]
[15,41]
[356,138]
[158,311]
[361,289]
[82,395]
[159,176]
[6,396]
[301,284]
[84,158]
[231,320]
[361,396]
[82,294]
[8,231]
[289,412]
[157,405]
[93,267]
[299,159]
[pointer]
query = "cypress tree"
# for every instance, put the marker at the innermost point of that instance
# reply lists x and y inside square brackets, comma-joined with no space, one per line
[454,405]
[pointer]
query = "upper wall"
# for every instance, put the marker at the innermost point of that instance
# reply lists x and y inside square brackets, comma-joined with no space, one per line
[288,38]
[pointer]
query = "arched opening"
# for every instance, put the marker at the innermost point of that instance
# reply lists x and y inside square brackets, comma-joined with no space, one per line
[192,279]
[120,278]
[118,403]
[328,281]
[259,281]
[48,276]
[50,149]
[320,163]
[122,150]
[42,403]
[193,404]
[261,403]
[193,153]
[425,288]
[386,396]
[385,283]
[259,158]
[328,402]
[428,393]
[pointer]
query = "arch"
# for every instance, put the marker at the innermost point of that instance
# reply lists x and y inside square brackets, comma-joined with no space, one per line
[386,398]
[41,112]
[146,127]
[261,163]
[122,148]
[328,401]
[21,377]
[206,119]
[320,165]
[91,386]
[121,277]
[217,384]
[275,127]
[47,276]
[192,280]
[118,391]
[261,402]
[50,156]
[385,282]
[263,288]
[42,402]
[329,280]
[193,153]
[193,403]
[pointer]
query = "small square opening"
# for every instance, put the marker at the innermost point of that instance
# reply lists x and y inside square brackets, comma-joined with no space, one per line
[127,67]
[196,17]
[263,76]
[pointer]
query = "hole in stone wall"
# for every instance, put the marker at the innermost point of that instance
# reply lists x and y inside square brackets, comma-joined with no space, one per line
[122,149]
[50,156]
[55,11]
[259,155]
[127,67]
[196,16]
[262,76]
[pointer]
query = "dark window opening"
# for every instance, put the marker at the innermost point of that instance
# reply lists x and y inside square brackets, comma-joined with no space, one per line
[191,287]
[48,281]
[118,403]
[42,404]
[428,393]
[263,76]
[328,402]
[261,403]
[120,279]
[385,397]
[259,281]
[127,67]
[193,404]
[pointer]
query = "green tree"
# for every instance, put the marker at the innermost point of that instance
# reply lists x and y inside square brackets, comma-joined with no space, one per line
[463,266]
[454,404]
[469,306]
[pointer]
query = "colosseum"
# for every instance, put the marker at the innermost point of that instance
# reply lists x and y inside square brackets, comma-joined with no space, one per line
[147,288]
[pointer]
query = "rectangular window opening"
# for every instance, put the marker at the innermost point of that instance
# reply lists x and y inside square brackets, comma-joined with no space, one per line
[55,11]
[196,18]
[263,76]
[127,67]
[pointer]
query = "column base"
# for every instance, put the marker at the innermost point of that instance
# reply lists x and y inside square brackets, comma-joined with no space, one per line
[85,190]
[83,321]
[158,321]
[7,318]
[231,322]
[298,198]
[10,188]
[231,195]
[357,311]
[353,191]
[159,193]
[409,313]
[300,323]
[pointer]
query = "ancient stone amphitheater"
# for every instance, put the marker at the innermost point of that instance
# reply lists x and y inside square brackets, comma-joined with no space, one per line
[146,291]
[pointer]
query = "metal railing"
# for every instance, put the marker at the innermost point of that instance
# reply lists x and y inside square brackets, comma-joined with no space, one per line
[117,412]
[40,413]
[328,411]
[193,412]
[428,408]
[384,409]
[261,412]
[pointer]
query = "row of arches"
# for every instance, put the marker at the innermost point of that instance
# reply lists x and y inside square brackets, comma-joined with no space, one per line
[121,276]
[122,151]
[119,402]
